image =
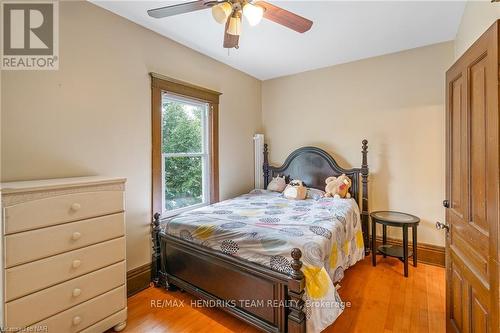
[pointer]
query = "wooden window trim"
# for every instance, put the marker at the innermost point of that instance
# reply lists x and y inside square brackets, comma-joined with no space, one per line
[159,84]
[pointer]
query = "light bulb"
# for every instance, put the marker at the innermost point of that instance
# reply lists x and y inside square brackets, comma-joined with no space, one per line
[253,13]
[221,12]
[234,27]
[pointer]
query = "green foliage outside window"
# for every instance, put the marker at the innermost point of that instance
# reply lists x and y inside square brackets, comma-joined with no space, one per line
[182,133]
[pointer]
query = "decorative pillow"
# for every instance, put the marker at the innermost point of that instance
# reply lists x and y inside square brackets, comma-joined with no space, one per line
[295,190]
[338,187]
[278,184]
[315,194]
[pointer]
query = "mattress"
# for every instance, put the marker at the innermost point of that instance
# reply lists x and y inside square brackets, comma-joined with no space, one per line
[263,226]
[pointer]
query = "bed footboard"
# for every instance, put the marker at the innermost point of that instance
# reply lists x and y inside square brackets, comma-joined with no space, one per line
[264,298]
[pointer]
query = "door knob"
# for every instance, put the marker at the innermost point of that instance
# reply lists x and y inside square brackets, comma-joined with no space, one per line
[446,203]
[441,226]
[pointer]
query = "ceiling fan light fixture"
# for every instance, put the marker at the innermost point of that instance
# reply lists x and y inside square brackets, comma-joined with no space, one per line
[253,13]
[234,27]
[230,12]
[221,12]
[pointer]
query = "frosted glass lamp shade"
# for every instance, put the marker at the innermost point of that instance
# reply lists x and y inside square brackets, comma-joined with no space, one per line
[253,13]
[221,12]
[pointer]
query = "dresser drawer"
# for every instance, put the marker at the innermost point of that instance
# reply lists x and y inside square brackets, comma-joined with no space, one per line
[85,314]
[107,323]
[41,243]
[24,279]
[27,310]
[60,209]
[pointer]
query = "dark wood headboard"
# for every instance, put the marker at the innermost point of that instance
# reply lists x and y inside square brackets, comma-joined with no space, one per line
[313,165]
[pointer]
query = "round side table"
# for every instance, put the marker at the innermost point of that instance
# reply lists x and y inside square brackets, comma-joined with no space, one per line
[394,219]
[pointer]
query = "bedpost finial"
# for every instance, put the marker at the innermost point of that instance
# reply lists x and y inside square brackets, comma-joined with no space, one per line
[365,144]
[296,253]
[296,264]
[156,219]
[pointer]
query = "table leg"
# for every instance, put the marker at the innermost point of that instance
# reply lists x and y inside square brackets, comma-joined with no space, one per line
[414,233]
[374,243]
[405,249]
[384,236]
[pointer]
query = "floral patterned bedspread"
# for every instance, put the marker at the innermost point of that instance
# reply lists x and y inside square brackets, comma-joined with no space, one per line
[263,227]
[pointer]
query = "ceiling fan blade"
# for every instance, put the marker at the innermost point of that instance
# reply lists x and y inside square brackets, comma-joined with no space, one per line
[284,17]
[230,41]
[180,8]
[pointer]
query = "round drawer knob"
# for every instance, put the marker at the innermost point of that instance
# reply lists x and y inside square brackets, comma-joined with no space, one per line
[76,206]
[77,320]
[76,263]
[77,292]
[76,235]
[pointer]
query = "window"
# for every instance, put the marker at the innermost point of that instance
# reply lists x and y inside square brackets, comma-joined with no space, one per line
[185,153]
[185,146]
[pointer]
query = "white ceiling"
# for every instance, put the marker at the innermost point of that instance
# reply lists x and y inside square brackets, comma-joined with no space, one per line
[343,31]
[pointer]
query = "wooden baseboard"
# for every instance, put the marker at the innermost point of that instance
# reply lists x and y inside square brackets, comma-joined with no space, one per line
[427,253]
[138,279]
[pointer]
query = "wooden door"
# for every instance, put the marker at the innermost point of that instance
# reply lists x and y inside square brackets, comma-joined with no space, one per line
[472,188]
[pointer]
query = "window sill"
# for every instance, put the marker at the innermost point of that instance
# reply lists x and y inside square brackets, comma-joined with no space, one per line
[172,213]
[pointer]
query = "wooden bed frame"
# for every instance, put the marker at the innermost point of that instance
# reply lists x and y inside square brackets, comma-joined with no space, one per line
[272,300]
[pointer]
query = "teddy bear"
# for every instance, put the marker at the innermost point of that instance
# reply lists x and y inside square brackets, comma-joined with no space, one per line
[338,187]
[295,190]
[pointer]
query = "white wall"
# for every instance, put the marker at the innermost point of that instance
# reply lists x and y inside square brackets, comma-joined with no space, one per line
[92,116]
[396,102]
[478,16]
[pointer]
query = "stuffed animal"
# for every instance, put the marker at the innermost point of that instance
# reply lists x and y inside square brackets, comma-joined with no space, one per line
[295,190]
[278,184]
[338,187]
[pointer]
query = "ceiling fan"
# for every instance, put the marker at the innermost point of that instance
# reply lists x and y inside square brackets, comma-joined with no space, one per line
[230,12]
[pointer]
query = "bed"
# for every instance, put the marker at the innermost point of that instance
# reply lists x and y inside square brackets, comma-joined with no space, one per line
[267,260]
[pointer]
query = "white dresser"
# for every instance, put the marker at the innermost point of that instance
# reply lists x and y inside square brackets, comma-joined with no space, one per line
[63,267]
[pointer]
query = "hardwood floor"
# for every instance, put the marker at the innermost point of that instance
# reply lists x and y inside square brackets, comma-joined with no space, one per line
[382,300]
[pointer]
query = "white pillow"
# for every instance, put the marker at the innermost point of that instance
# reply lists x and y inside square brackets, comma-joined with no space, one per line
[278,184]
[315,194]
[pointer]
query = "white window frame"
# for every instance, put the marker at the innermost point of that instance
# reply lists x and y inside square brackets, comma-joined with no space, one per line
[204,154]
